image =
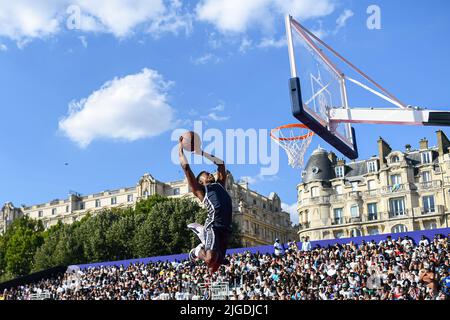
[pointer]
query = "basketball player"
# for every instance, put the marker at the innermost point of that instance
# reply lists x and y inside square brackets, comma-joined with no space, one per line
[217,229]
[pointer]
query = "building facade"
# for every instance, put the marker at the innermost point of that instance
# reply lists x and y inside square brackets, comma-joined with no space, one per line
[395,191]
[260,218]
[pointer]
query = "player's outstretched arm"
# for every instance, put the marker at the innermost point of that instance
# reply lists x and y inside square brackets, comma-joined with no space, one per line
[221,170]
[192,181]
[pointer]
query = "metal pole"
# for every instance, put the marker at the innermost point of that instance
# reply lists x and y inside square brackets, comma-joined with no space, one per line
[290,46]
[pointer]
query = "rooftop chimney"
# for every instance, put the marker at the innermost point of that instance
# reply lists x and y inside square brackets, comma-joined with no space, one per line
[408,148]
[443,143]
[332,157]
[383,150]
[423,144]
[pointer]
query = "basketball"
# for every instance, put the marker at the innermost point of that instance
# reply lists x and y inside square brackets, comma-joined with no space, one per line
[191,141]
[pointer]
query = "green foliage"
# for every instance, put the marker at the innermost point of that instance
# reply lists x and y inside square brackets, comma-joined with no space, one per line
[19,245]
[164,230]
[156,226]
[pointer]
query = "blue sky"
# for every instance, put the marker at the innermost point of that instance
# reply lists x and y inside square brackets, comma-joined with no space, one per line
[207,60]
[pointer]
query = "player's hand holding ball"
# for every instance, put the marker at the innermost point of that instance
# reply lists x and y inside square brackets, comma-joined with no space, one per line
[190,141]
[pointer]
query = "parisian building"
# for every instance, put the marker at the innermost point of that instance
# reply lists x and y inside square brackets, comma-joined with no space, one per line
[260,219]
[394,191]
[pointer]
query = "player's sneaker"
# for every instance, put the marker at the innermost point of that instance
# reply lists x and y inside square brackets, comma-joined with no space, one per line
[199,230]
[193,254]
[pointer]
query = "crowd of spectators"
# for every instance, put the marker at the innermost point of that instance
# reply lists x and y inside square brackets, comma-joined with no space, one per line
[392,269]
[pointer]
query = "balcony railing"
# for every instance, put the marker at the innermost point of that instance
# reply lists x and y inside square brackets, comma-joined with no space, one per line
[399,214]
[338,221]
[355,195]
[371,193]
[395,188]
[337,197]
[436,184]
[439,209]
[314,201]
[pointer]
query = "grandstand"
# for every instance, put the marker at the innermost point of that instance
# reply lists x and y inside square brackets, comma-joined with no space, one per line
[407,266]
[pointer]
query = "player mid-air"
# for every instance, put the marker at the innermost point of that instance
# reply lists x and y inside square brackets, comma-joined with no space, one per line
[216,232]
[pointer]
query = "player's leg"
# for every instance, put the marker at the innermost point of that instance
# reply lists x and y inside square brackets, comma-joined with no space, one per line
[199,230]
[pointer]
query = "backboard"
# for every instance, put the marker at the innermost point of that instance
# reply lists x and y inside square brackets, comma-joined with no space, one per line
[317,87]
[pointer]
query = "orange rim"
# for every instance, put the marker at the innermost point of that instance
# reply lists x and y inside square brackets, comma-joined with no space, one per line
[291,126]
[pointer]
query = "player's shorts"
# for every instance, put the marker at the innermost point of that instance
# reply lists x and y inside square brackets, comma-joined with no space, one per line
[216,240]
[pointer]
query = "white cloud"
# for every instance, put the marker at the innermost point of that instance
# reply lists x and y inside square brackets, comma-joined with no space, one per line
[258,178]
[220,107]
[128,108]
[245,45]
[215,117]
[237,16]
[83,41]
[120,17]
[214,113]
[272,43]
[25,20]
[342,19]
[22,19]
[292,210]
[173,21]
[3,47]
[206,58]
[233,15]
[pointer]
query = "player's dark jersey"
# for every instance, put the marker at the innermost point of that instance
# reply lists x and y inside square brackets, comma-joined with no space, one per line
[220,208]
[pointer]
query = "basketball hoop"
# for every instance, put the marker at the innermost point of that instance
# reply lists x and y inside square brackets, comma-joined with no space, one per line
[295,140]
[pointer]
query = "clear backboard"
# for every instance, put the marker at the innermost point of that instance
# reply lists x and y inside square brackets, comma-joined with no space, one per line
[317,87]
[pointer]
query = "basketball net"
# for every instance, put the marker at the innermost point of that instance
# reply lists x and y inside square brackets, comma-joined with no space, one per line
[295,140]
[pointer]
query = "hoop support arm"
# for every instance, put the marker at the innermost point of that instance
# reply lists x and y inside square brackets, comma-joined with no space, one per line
[391,116]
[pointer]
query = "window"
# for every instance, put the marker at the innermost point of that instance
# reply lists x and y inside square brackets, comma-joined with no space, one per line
[340,171]
[354,211]
[130,198]
[338,213]
[397,207]
[113,200]
[354,186]
[145,193]
[372,166]
[40,214]
[426,157]
[395,159]
[176,191]
[372,211]
[339,234]
[356,233]
[430,225]
[314,192]
[399,228]
[254,201]
[339,189]
[53,211]
[428,204]
[396,179]
[97,203]
[67,208]
[373,231]
[81,206]
[371,184]
[426,176]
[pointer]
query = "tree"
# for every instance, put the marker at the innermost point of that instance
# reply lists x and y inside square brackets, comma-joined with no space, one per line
[164,231]
[61,247]
[92,234]
[23,238]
